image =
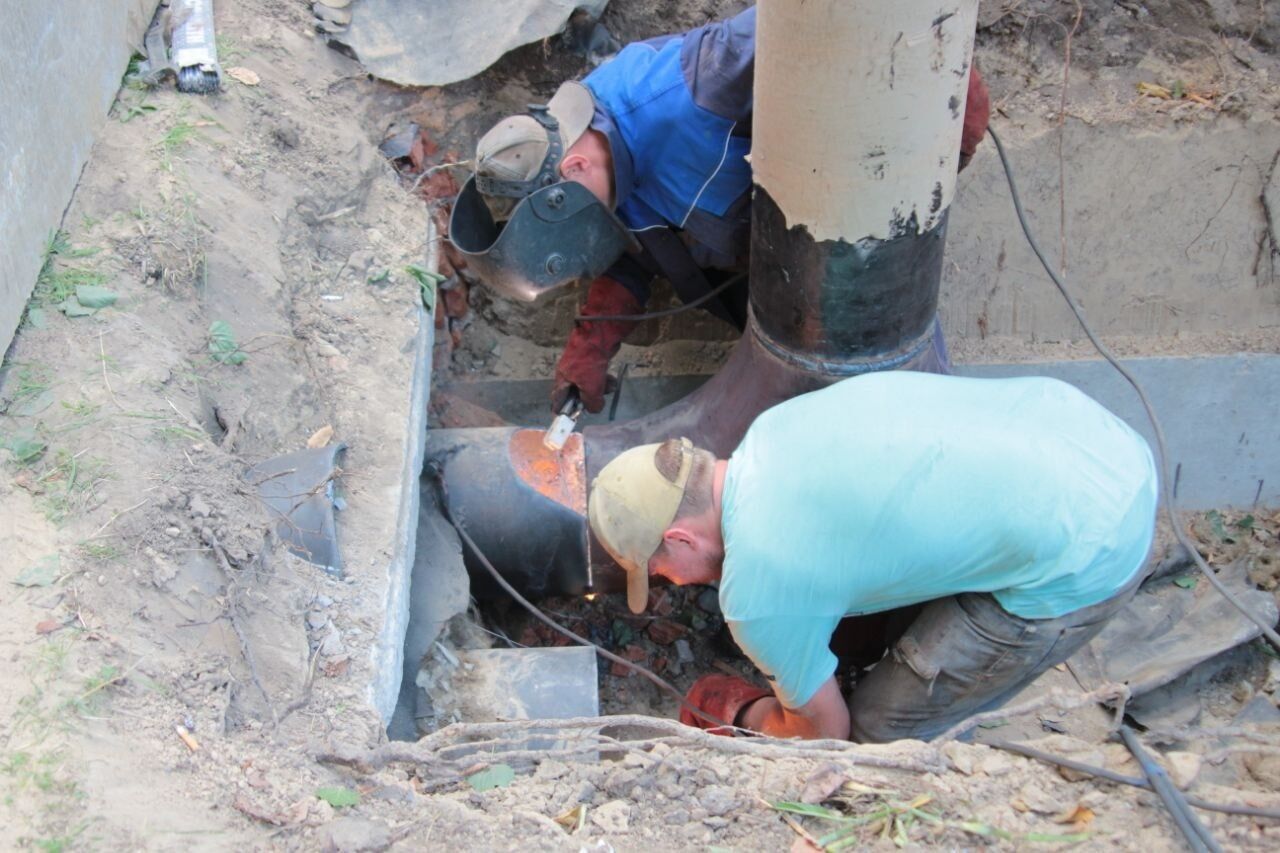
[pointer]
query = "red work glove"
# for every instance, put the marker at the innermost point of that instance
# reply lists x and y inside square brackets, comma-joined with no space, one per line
[977,112]
[584,364]
[721,696]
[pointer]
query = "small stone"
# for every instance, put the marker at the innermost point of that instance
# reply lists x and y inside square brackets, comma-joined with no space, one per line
[334,4]
[333,16]
[613,816]
[1041,801]
[715,822]
[717,800]
[172,532]
[684,652]
[199,507]
[551,769]
[323,601]
[1272,682]
[316,620]
[676,817]
[331,645]
[709,600]
[354,834]
[1242,692]
[102,580]
[961,756]
[995,764]
[1183,768]
[327,349]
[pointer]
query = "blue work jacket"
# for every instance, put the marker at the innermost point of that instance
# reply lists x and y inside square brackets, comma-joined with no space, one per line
[677,113]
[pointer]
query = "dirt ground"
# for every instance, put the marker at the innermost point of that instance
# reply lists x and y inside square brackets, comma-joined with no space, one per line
[155,696]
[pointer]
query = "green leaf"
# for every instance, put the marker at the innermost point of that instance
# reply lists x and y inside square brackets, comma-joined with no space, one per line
[808,810]
[26,448]
[92,296]
[338,797]
[72,308]
[1215,523]
[1186,582]
[427,282]
[497,776]
[1245,523]
[43,573]
[622,633]
[379,277]
[222,344]
[1178,90]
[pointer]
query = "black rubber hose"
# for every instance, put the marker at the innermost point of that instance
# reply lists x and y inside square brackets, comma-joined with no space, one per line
[1123,779]
[667,312]
[1195,833]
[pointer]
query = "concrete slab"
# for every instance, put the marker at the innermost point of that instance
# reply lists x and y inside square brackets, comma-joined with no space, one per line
[525,684]
[1218,412]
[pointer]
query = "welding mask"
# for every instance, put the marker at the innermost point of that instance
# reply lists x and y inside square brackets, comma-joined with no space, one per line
[522,228]
[556,235]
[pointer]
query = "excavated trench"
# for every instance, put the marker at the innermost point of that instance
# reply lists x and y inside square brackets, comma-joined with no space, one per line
[487,362]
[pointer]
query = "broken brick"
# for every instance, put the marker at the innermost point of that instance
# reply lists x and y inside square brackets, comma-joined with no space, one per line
[665,632]
[621,670]
[634,653]
[660,602]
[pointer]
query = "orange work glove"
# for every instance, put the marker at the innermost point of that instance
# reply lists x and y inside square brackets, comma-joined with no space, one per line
[721,696]
[584,364]
[977,112]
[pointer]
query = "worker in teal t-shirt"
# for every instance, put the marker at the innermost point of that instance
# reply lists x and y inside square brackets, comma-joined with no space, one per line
[1018,512]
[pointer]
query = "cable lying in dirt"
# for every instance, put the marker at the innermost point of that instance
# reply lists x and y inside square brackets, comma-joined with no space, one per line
[1162,450]
[1123,779]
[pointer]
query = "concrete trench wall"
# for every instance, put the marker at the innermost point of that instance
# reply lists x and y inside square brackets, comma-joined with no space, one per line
[60,67]
[1163,226]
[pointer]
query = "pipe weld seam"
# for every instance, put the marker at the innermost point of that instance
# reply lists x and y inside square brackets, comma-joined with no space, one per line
[852,366]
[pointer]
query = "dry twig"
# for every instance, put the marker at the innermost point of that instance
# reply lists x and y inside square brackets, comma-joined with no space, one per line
[588,740]
[233,614]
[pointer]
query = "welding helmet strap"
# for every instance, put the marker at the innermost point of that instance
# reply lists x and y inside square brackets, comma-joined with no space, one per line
[548,172]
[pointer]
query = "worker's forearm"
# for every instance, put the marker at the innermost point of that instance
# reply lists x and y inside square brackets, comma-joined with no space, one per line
[767,716]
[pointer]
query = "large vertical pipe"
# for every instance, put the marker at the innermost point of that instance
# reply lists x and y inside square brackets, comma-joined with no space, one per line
[858,112]
[859,106]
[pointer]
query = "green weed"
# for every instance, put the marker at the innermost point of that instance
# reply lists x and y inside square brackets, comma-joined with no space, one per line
[102,551]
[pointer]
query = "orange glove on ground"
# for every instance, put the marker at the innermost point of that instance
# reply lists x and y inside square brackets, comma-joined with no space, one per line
[977,112]
[584,364]
[723,697]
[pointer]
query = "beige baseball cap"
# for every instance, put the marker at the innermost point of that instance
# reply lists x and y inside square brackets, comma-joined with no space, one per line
[631,505]
[514,149]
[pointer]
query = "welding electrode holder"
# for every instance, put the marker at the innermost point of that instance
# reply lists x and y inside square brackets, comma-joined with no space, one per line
[563,424]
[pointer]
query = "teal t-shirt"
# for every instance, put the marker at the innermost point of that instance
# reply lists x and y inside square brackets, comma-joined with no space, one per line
[894,488]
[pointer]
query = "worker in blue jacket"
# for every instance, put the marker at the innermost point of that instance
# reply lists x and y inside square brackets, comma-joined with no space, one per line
[639,171]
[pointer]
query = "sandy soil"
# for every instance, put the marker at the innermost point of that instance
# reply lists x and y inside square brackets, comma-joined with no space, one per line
[130,715]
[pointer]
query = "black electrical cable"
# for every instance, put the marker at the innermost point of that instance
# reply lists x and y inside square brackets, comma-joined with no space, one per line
[1125,779]
[438,476]
[667,312]
[1195,833]
[1166,486]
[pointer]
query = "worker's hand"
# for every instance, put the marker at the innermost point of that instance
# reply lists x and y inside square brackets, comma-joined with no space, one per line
[585,362]
[977,112]
[721,696]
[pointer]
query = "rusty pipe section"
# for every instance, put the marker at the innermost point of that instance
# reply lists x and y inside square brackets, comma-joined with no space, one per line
[858,110]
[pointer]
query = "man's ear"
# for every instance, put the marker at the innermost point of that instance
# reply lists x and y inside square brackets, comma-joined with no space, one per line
[678,533]
[574,166]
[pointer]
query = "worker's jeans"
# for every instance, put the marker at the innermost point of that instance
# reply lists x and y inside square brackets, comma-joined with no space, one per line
[963,655]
